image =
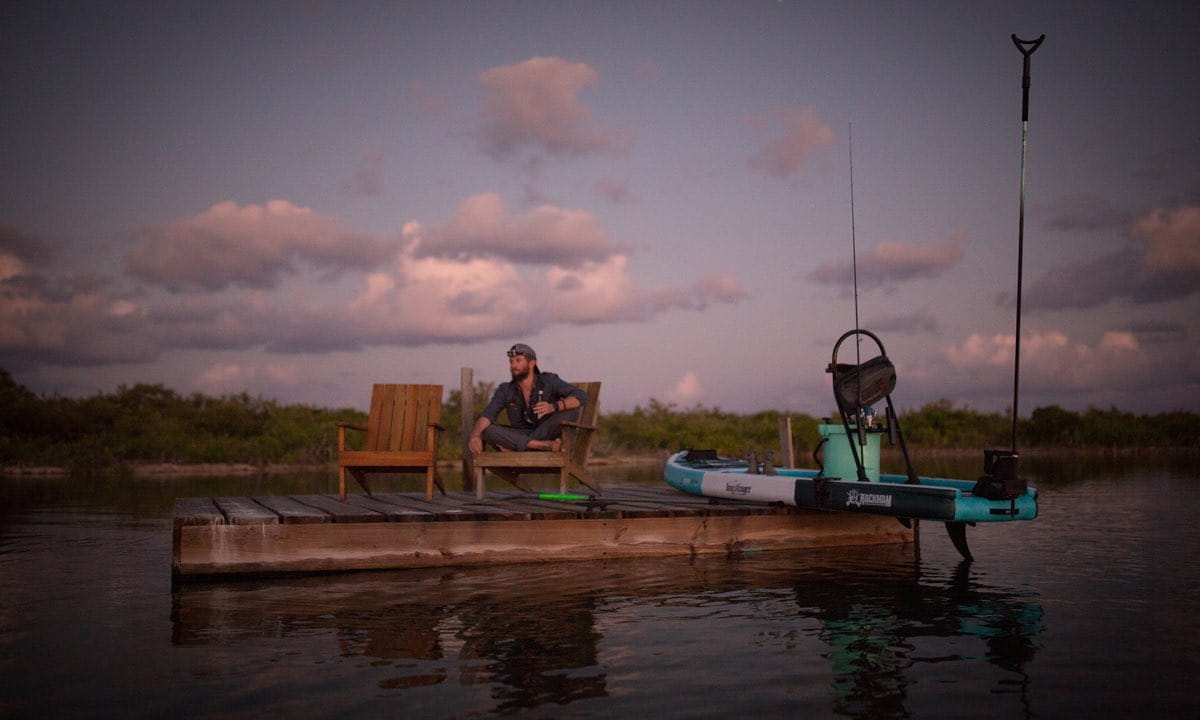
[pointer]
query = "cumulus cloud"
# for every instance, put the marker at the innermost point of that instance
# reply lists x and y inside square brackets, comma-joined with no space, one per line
[233,321]
[1160,261]
[1170,240]
[1157,331]
[75,321]
[546,235]
[424,300]
[894,262]
[1050,359]
[535,104]
[431,299]
[1116,367]
[606,292]
[83,320]
[222,374]
[12,266]
[687,389]
[719,287]
[493,275]
[230,377]
[249,246]
[801,134]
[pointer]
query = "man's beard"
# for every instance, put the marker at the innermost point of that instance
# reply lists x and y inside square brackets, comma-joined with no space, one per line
[519,376]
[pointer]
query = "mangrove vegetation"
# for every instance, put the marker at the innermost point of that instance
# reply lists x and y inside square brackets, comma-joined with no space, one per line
[154,424]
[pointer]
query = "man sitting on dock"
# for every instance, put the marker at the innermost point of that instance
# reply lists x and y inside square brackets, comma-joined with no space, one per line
[537,404]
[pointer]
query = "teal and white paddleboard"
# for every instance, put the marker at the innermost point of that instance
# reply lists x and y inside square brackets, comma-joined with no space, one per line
[947,500]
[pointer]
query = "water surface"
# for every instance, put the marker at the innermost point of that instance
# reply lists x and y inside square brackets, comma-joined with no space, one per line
[1088,611]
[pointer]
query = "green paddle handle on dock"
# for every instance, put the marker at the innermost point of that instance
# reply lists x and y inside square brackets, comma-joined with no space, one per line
[562,496]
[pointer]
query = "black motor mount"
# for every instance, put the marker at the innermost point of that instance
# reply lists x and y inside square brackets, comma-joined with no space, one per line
[1000,480]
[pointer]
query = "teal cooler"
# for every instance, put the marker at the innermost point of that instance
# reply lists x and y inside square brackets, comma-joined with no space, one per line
[839,462]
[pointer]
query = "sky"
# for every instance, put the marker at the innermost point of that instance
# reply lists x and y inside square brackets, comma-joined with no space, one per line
[300,199]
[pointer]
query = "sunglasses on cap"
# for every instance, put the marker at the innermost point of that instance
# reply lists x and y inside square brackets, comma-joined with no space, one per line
[522,353]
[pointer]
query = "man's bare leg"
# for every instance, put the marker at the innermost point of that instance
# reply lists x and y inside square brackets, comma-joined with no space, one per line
[548,445]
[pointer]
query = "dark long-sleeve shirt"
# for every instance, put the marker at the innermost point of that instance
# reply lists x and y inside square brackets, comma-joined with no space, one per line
[547,387]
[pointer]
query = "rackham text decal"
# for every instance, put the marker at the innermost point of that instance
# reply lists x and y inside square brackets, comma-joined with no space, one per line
[857,499]
[735,489]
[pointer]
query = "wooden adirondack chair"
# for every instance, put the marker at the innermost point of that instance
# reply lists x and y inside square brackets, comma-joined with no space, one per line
[401,436]
[570,462]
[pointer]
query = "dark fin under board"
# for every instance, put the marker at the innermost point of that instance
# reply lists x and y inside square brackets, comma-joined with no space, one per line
[958,536]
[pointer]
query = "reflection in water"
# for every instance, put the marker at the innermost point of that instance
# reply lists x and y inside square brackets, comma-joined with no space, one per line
[547,657]
[553,634]
[523,631]
[875,632]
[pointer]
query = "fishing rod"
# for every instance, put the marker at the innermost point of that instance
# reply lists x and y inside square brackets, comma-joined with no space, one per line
[872,381]
[881,379]
[1027,48]
[1001,480]
[854,271]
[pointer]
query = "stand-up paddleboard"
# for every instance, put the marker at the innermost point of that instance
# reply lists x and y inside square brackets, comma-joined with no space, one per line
[702,472]
[852,482]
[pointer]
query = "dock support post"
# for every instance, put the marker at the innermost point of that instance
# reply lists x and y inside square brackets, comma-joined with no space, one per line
[787,448]
[467,407]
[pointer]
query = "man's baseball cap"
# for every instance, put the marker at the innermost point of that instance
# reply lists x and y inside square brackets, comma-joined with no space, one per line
[522,349]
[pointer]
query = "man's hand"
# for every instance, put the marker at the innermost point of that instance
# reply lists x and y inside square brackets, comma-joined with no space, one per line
[475,442]
[543,409]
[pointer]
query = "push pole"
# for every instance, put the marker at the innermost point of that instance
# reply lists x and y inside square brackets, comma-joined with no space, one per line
[1027,48]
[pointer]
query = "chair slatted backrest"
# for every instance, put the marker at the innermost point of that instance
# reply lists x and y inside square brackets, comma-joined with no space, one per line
[581,443]
[400,416]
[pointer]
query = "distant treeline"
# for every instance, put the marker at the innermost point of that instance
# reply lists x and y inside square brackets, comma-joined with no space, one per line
[154,424]
[935,425]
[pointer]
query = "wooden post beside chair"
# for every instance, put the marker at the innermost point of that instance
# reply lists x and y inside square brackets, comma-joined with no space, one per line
[401,436]
[570,462]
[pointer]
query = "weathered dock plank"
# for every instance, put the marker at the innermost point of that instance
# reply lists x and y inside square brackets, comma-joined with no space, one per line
[495,508]
[641,506]
[391,512]
[340,512]
[372,532]
[531,511]
[244,511]
[575,510]
[439,509]
[291,511]
[197,511]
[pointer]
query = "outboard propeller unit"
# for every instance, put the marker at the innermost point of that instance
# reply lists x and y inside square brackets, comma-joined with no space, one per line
[859,386]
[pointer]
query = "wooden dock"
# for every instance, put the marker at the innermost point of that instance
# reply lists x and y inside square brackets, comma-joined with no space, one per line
[319,533]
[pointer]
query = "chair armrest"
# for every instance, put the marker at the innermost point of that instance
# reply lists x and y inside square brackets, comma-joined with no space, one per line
[437,426]
[581,426]
[352,426]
